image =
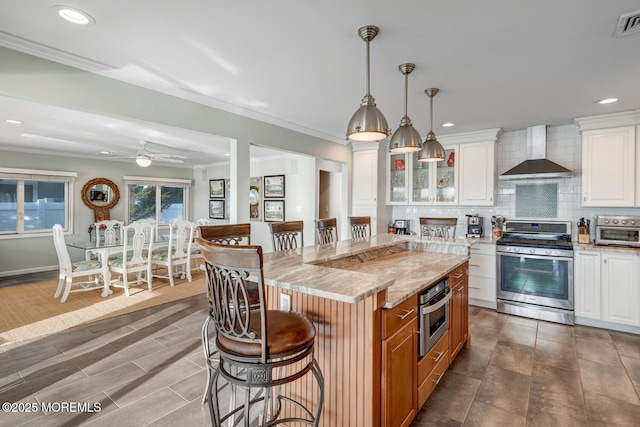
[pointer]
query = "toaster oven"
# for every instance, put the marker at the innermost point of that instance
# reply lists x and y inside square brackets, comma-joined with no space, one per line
[618,230]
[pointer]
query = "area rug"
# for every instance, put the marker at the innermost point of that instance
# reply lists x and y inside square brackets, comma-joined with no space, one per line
[30,311]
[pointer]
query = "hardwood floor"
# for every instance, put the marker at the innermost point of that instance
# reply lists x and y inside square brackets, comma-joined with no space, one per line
[147,368]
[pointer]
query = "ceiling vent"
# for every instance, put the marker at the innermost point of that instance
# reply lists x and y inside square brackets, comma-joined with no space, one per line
[628,23]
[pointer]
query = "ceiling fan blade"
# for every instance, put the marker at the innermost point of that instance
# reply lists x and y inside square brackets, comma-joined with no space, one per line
[166,159]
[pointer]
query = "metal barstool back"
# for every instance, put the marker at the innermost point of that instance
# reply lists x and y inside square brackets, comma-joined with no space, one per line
[360,227]
[227,234]
[258,348]
[285,235]
[438,227]
[327,230]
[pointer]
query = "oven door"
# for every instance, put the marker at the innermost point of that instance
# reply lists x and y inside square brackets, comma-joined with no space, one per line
[533,279]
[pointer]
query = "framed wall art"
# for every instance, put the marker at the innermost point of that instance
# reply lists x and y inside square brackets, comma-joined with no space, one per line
[274,210]
[216,189]
[216,209]
[274,186]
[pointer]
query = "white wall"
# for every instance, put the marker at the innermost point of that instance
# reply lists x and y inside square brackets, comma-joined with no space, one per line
[27,254]
[564,146]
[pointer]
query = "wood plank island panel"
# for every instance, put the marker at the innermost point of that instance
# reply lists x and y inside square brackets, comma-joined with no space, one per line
[347,349]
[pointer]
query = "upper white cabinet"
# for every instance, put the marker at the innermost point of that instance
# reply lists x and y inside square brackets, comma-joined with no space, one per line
[365,176]
[465,177]
[367,198]
[608,167]
[610,159]
[422,183]
[477,173]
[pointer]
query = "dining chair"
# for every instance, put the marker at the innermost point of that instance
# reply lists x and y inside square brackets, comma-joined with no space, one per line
[360,227]
[287,235]
[196,253]
[257,347]
[438,227]
[112,234]
[91,269]
[177,254]
[136,255]
[327,229]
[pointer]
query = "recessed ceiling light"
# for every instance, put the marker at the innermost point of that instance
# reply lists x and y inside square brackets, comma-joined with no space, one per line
[14,121]
[227,154]
[104,153]
[73,15]
[606,101]
[448,124]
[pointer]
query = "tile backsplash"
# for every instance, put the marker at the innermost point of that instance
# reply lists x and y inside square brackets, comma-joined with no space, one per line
[564,146]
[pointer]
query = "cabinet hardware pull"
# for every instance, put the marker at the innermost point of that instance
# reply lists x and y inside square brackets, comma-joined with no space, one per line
[437,359]
[406,313]
[457,276]
[460,289]
[439,378]
[474,265]
[473,287]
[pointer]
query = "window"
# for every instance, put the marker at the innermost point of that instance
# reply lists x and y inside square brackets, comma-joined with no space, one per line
[162,200]
[32,202]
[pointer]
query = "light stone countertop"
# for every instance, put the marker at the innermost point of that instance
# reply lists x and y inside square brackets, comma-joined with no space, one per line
[597,248]
[352,270]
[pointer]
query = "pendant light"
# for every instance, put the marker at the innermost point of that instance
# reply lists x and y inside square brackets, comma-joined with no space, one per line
[368,123]
[432,150]
[406,138]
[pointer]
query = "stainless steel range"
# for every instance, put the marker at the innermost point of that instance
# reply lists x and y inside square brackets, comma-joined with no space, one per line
[535,270]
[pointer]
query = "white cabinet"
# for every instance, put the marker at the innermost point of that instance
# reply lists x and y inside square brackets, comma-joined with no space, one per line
[587,284]
[365,177]
[477,169]
[422,183]
[608,167]
[482,274]
[367,198]
[620,302]
[606,286]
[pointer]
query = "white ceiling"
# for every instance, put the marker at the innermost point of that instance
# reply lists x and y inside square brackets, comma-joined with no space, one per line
[301,65]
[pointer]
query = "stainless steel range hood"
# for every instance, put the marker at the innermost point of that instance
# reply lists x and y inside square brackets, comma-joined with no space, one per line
[537,165]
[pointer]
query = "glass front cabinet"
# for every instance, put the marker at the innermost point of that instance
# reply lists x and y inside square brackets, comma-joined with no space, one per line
[422,183]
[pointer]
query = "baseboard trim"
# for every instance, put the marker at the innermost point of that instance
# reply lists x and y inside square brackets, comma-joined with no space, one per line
[28,271]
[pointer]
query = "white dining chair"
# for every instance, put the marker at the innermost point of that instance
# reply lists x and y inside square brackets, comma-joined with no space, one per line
[112,234]
[136,255]
[70,270]
[196,252]
[177,254]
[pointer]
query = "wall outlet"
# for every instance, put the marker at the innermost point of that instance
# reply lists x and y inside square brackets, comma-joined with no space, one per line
[285,302]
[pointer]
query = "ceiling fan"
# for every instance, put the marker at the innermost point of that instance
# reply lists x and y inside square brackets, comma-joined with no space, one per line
[144,157]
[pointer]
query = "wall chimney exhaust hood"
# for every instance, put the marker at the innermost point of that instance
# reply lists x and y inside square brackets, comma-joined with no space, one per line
[537,166]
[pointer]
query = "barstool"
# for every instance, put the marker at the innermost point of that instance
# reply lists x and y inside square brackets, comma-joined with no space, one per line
[360,227]
[258,348]
[228,234]
[285,235]
[438,227]
[327,229]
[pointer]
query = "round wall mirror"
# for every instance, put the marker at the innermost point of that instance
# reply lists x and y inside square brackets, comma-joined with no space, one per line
[100,194]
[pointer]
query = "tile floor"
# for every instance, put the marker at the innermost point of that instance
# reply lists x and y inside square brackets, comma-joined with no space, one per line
[146,368]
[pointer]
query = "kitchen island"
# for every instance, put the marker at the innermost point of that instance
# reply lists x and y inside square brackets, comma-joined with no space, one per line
[362,297]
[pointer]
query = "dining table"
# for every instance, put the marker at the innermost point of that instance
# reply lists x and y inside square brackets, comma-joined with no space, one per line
[101,252]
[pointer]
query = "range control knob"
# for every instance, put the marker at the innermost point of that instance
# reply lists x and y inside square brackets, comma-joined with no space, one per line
[532,251]
[615,221]
[606,221]
[633,222]
[623,222]
[548,252]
